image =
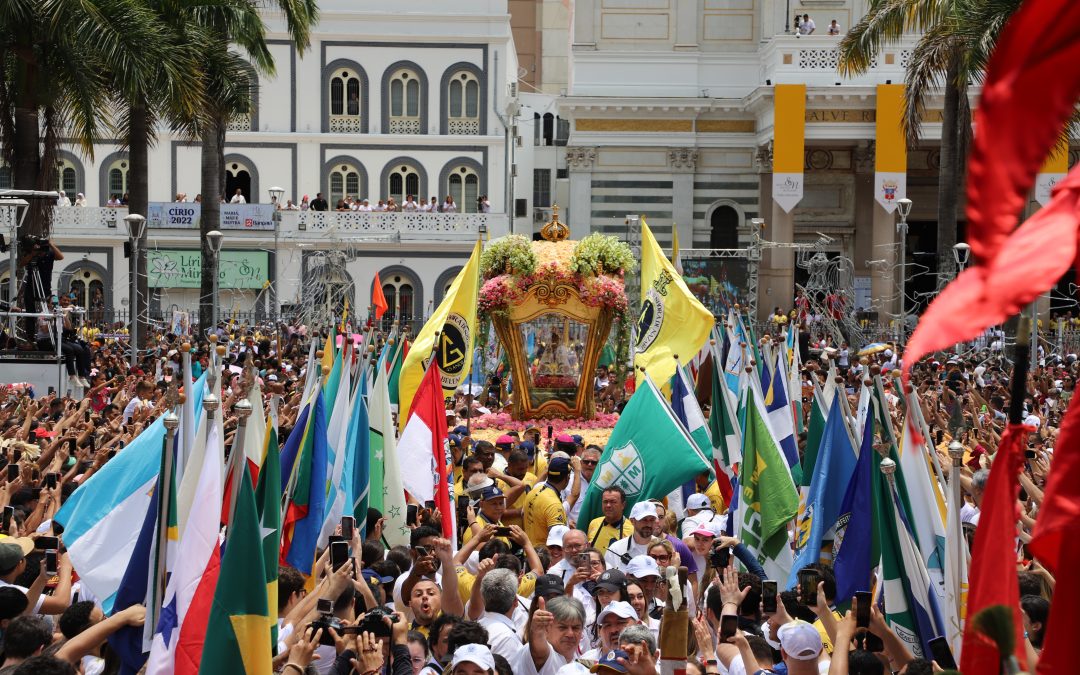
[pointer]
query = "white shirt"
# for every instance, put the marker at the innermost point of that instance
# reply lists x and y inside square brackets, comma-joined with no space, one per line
[409,206]
[806,26]
[573,513]
[502,636]
[524,664]
[613,556]
[449,208]
[238,199]
[969,513]
[133,405]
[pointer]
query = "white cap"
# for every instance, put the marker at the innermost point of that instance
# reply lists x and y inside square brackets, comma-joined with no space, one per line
[620,609]
[698,501]
[642,566]
[474,653]
[800,640]
[555,535]
[643,510]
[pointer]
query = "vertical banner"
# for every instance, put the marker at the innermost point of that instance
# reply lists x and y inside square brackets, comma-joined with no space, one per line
[890,157]
[1055,168]
[789,132]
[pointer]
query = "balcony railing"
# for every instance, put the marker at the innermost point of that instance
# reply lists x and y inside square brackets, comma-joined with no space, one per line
[346,124]
[815,60]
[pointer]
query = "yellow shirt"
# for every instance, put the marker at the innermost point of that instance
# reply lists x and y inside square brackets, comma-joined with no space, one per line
[465,580]
[543,510]
[530,481]
[480,518]
[600,534]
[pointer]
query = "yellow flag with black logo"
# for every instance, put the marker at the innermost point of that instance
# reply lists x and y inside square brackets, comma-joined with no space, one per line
[455,322]
[672,321]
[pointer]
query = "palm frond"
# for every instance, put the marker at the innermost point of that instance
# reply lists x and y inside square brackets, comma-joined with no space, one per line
[885,22]
[927,72]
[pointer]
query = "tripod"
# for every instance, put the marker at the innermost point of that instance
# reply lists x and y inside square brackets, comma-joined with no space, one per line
[35,299]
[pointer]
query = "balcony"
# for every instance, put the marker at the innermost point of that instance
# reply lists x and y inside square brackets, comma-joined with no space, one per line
[346,124]
[814,60]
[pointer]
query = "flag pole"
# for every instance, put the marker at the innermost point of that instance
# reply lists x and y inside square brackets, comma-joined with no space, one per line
[164,496]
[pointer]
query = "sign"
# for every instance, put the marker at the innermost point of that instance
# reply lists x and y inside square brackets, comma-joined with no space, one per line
[183,269]
[890,156]
[187,216]
[1053,170]
[789,130]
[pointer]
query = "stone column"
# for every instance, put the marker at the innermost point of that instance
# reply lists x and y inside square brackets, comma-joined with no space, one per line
[686,25]
[584,24]
[875,236]
[776,279]
[580,161]
[763,165]
[683,163]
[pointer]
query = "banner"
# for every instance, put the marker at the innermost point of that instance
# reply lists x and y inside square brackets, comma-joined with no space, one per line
[890,157]
[789,131]
[1053,170]
[183,269]
[187,216]
[247,217]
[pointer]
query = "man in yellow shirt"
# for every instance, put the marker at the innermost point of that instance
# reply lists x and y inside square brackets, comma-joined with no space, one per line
[518,467]
[613,525]
[711,490]
[543,505]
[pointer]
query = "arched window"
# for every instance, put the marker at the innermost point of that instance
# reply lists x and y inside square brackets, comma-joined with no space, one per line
[344,182]
[404,102]
[400,294]
[464,104]
[346,92]
[724,228]
[67,179]
[549,129]
[464,186]
[403,180]
[7,179]
[118,177]
[238,177]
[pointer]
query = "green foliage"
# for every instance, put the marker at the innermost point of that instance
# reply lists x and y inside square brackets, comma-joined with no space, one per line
[602,254]
[515,250]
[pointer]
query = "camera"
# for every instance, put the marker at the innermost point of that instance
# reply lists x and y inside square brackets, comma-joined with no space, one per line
[34,243]
[719,556]
[326,621]
[373,622]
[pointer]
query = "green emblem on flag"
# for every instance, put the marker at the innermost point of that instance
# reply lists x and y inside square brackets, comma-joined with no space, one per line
[625,469]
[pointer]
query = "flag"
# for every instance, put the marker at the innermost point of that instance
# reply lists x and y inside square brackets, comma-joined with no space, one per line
[957,562]
[648,455]
[853,547]
[358,462]
[307,498]
[768,502]
[393,369]
[181,629]
[455,322]
[676,259]
[423,445]
[378,300]
[99,517]
[927,515]
[268,502]
[189,480]
[345,317]
[254,441]
[672,321]
[832,472]
[819,414]
[128,641]
[724,430]
[341,418]
[778,405]
[329,358]
[993,560]
[685,406]
[387,494]
[238,631]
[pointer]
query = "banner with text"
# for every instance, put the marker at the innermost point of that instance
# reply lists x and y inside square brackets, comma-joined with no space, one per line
[186,216]
[1053,170]
[789,139]
[183,269]
[890,154]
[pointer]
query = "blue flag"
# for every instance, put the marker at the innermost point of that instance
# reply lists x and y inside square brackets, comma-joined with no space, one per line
[358,461]
[853,561]
[127,642]
[824,501]
[292,448]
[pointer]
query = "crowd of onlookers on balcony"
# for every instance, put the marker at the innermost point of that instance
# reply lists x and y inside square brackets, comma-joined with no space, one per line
[804,25]
[348,203]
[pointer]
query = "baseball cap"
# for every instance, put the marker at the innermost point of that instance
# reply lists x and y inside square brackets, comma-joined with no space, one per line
[610,661]
[710,529]
[564,438]
[641,566]
[560,466]
[698,502]
[555,535]
[643,510]
[474,653]
[623,610]
[372,577]
[548,586]
[491,492]
[461,430]
[611,580]
[800,640]
[454,440]
[528,447]
[14,549]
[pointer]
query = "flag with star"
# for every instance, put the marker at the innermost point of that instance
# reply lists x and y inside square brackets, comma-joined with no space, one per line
[386,493]
[268,502]
[238,632]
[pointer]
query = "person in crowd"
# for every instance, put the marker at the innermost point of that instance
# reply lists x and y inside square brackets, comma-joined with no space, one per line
[613,525]
[238,197]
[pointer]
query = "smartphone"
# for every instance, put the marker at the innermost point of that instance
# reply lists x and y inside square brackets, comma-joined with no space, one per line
[551,429]
[110,454]
[9,515]
[50,481]
[863,600]
[71,445]
[12,472]
[347,526]
[86,416]
[52,391]
[429,505]
[462,503]
[808,581]
[339,554]
[942,654]
[51,567]
[872,643]
[1029,454]
[421,551]
[410,514]
[502,531]
[728,625]
[16,455]
[768,596]
[47,543]
[35,475]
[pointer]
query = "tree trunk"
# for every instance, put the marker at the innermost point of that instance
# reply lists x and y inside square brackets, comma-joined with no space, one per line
[139,202]
[211,217]
[948,173]
[26,166]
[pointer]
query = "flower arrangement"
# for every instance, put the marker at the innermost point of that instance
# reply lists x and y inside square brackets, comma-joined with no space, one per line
[498,293]
[512,254]
[604,291]
[555,382]
[503,422]
[599,254]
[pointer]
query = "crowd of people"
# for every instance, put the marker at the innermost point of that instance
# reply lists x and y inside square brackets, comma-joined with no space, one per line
[529,588]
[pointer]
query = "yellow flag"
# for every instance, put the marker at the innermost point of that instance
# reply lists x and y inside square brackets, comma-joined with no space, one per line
[328,353]
[676,260]
[455,321]
[672,322]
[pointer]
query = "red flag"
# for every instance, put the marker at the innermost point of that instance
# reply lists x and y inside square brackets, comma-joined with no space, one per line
[1056,543]
[423,446]
[378,300]
[1031,86]
[992,577]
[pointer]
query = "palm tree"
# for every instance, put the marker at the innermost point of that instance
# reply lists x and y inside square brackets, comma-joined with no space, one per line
[952,52]
[229,91]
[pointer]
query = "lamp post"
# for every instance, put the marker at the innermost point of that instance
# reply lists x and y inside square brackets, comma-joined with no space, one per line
[276,193]
[956,453]
[213,238]
[14,212]
[136,225]
[903,207]
[961,252]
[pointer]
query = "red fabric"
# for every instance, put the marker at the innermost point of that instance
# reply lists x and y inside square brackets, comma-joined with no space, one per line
[378,299]
[1032,84]
[992,576]
[189,646]
[429,405]
[1056,544]
[253,471]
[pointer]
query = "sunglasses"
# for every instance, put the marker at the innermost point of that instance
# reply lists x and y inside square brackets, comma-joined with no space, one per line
[589,462]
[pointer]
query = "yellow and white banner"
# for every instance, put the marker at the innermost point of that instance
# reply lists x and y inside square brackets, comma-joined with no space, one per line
[1055,168]
[789,137]
[890,157]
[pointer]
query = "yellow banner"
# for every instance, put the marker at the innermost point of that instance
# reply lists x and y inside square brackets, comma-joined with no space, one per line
[891,144]
[789,128]
[1058,159]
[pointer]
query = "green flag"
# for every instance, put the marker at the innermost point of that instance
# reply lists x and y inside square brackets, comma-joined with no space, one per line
[815,430]
[768,500]
[268,502]
[723,418]
[238,631]
[648,455]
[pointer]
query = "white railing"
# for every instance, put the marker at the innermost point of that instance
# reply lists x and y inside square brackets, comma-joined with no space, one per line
[240,122]
[88,217]
[815,59]
[465,126]
[346,124]
[388,223]
[404,125]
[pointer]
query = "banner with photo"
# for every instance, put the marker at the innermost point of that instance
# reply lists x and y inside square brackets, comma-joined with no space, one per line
[718,283]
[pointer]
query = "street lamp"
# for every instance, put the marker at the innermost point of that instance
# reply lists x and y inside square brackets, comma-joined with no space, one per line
[276,193]
[213,238]
[903,207]
[960,253]
[136,226]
